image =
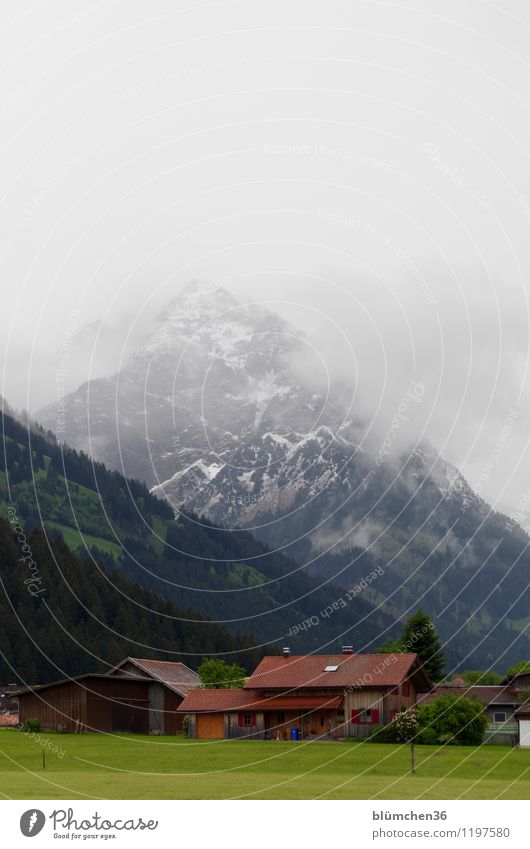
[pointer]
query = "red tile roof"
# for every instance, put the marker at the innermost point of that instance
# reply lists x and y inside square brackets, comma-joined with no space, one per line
[216,700]
[223,701]
[489,694]
[175,675]
[357,670]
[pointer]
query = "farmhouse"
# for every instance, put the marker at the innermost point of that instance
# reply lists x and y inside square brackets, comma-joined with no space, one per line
[309,697]
[500,705]
[136,696]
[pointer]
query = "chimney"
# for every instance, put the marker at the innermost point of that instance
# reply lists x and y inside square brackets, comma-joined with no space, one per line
[347,650]
[286,651]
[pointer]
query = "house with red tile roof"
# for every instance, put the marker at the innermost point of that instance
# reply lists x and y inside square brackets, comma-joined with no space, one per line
[309,697]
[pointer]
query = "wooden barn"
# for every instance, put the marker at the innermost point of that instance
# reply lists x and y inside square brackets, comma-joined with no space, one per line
[137,696]
[170,684]
[309,697]
[88,703]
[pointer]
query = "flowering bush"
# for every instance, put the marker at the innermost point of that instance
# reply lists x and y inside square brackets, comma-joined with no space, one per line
[407,723]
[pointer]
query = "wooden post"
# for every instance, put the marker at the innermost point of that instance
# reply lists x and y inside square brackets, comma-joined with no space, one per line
[412,758]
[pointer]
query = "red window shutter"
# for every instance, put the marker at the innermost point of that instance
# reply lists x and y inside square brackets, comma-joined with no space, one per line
[240,719]
[355,714]
[375,716]
[405,688]
[253,719]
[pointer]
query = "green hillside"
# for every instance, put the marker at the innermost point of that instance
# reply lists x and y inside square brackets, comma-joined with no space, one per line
[228,576]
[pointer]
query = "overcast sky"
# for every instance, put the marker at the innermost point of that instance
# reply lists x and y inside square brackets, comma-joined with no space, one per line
[362,166]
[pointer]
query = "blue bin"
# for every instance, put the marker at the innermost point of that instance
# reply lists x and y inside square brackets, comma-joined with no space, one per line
[294,733]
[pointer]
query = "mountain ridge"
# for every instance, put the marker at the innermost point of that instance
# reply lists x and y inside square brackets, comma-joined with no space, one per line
[222,417]
[230,578]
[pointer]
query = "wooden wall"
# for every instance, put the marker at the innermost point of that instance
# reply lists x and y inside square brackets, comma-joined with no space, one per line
[523,682]
[172,720]
[387,702]
[163,719]
[116,704]
[60,708]
[234,731]
[91,704]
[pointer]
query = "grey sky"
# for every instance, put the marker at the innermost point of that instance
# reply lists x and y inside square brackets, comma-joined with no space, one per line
[367,160]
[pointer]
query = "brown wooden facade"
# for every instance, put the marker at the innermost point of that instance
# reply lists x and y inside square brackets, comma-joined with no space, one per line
[275,701]
[360,710]
[89,703]
[138,695]
[104,703]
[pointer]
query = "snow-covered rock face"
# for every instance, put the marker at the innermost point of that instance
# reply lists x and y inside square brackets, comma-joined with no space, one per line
[213,412]
[226,410]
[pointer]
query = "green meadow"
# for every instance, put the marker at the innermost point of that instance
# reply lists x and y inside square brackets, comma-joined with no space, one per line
[135,767]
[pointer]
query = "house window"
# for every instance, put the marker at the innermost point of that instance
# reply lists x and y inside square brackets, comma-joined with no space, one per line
[370,716]
[280,717]
[247,719]
[499,716]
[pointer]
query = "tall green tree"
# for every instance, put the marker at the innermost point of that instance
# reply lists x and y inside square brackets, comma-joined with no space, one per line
[219,675]
[420,635]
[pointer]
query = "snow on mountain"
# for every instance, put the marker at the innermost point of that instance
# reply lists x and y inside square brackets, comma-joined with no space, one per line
[213,412]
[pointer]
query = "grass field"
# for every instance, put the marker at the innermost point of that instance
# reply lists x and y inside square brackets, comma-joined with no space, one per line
[134,767]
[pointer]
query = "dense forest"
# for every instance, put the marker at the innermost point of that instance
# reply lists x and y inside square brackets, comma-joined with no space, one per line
[114,523]
[65,616]
[227,576]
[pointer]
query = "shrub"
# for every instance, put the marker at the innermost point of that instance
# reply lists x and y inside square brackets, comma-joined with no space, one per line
[455,720]
[384,734]
[427,737]
[32,725]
